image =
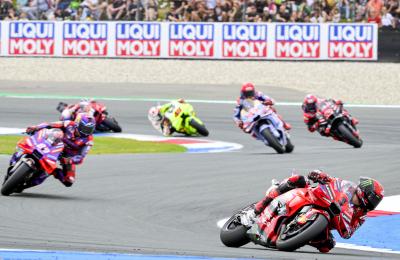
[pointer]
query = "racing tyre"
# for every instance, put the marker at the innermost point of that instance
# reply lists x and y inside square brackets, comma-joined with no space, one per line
[273,141]
[233,234]
[112,124]
[289,146]
[348,135]
[290,240]
[201,129]
[16,179]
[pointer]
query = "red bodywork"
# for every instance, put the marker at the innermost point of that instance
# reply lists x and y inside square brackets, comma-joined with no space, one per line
[50,153]
[99,111]
[289,204]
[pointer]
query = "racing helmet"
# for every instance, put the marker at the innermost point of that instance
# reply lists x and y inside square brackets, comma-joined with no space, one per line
[248,90]
[310,104]
[154,113]
[370,193]
[85,124]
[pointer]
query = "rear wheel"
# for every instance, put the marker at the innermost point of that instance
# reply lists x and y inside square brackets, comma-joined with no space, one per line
[348,135]
[201,129]
[273,141]
[17,178]
[112,124]
[296,236]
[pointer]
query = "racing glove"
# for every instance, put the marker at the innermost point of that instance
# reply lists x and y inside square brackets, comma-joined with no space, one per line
[318,176]
[239,123]
[30,130]
[268,102]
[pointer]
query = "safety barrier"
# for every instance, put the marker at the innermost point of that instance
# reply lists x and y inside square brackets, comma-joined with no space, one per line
[264,41]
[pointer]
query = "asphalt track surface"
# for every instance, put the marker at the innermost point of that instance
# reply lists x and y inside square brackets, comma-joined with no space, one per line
[170,203]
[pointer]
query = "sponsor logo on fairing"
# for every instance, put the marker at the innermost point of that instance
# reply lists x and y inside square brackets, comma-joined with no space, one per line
[137,39]
[351,41]
[244,41]
[85,39]
[31,38]
[191,40]
[297,41]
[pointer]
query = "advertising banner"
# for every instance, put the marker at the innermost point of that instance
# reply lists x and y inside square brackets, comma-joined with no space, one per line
[31,38]
[297,41]
[138,40]
[242,41]
[84,39]
[191,40]
[351,41]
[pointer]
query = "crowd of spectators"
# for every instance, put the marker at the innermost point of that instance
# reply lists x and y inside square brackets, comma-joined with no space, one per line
[386,13]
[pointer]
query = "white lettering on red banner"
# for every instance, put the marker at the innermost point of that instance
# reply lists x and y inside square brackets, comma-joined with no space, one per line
[85,39]
[297,41]
[244,41]
[138,39]
[31,38]
[191,40]
[350,41]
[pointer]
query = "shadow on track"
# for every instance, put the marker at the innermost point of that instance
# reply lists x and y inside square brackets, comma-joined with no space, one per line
[46,196]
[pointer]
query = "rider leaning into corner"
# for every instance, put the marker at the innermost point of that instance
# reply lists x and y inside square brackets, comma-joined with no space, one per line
[156,117]
[355,201]
[78,140]
[70,112]
[313,117]
[248,91]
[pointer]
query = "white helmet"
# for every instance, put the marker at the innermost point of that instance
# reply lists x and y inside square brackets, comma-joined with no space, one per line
[154,113]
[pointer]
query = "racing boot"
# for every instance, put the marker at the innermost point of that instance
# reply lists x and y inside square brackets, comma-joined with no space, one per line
[324,242]
[270,194]
[286,125]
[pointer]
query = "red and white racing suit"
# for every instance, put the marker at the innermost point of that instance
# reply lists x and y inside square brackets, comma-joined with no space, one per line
[350,218]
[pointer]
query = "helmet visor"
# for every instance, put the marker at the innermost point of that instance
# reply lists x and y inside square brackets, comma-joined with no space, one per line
[248,93]
[373,201]
[86,129]
[311,107]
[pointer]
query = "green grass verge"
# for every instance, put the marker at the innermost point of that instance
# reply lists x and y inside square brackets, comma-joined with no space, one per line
[105,145]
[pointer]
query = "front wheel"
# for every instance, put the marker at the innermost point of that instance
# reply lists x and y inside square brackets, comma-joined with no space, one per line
[201,129]
[233,233]
[273,141]
[292,237]
[289,146]
[17,178]
[112,124]
[348,136]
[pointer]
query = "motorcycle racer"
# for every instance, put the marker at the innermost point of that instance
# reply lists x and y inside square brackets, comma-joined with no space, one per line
[248,91]
[313,116]
[78,140]
[70,112]
[354,200]
[156,116]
